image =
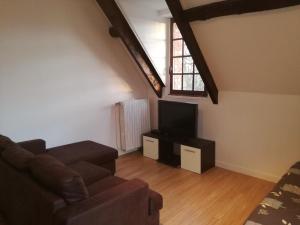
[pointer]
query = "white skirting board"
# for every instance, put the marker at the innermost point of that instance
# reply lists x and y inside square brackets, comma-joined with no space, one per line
[249,172]
[133,119]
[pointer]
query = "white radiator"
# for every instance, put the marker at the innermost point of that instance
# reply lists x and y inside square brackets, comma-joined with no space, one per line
[134,120]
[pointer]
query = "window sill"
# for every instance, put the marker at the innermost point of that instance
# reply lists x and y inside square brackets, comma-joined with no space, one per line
[192,94]
[184,98]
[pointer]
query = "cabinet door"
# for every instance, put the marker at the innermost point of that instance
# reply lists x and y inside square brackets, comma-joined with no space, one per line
[191,159]
[150,146]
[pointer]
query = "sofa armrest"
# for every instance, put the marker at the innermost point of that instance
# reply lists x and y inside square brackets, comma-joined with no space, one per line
[155,202]
[126,203]
[36,146]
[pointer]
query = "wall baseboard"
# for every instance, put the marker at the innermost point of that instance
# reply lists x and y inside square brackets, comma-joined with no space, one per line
[127,152]
[247,171]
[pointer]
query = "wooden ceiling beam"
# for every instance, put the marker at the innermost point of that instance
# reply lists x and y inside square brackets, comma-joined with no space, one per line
[113,32]
[121,28]
[193,46]
[232,7]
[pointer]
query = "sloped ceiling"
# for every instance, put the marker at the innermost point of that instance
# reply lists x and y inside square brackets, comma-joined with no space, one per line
[256,52]
[153,4]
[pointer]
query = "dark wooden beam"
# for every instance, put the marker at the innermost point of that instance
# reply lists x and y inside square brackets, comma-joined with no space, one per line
[193,46]
[113,32]
[231,7]
[124,31]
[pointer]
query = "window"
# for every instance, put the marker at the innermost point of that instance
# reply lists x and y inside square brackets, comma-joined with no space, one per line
[185,77]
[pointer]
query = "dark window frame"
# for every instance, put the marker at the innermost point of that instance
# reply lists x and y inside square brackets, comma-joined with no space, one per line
[182,92]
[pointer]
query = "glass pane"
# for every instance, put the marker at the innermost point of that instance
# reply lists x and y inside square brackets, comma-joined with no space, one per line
[177,65]
[188,65]
[177,82]
[177,48]
[176,32]
[198,83]
[186,50]
[196,70]
[188,82]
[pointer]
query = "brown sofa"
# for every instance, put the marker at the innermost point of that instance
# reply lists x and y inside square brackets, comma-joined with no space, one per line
[282,205]
[46,187]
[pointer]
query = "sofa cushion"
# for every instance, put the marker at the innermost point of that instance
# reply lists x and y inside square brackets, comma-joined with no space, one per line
[4,142]
[104,184]
[35,146]
[60,179]
[84,151]
[17,156]
[89,172]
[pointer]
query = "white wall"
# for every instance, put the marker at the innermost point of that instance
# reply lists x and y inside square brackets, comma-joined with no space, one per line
[255,134]
[61,72]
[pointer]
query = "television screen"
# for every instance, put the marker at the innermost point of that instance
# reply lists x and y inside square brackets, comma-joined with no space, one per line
[178,119]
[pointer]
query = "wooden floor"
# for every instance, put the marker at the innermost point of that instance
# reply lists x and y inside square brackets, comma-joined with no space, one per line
[217,197]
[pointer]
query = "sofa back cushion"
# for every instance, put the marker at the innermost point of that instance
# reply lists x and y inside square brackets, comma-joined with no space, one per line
[23,201]
[17,156]
[4,142]
[62,180]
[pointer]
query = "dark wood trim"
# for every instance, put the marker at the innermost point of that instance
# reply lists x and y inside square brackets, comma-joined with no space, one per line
[113,32]
[171,54]
[232,7]
[193,46]
[189,93]
[120,24]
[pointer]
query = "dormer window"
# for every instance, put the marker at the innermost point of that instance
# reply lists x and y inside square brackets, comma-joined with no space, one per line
[185,77]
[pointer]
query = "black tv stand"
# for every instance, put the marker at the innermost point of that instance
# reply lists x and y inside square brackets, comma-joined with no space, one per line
[169,149]
[166,151]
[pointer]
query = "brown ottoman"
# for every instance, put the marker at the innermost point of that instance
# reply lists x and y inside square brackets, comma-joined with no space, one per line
[89,151]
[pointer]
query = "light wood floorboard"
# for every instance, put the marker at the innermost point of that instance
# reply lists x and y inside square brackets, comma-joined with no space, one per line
[217,197]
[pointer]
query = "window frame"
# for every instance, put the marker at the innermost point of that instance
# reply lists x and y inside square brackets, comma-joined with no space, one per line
[182,92]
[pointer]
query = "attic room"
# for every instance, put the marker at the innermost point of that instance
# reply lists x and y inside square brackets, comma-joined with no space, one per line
[162,112]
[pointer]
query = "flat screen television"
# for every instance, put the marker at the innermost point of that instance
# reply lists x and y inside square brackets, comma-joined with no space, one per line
[177,119]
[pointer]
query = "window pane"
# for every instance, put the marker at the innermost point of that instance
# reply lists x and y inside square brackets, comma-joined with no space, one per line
[186,50]
[188,65]
[177,65]
[188,82]
[177,82]
[198,83]
[196,70]
[176,32]
[177,48]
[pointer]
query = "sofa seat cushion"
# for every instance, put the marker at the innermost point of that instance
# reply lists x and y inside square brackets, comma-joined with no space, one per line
[104,184]
[89,172]
[84,151]
[57,177]
[17,156]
